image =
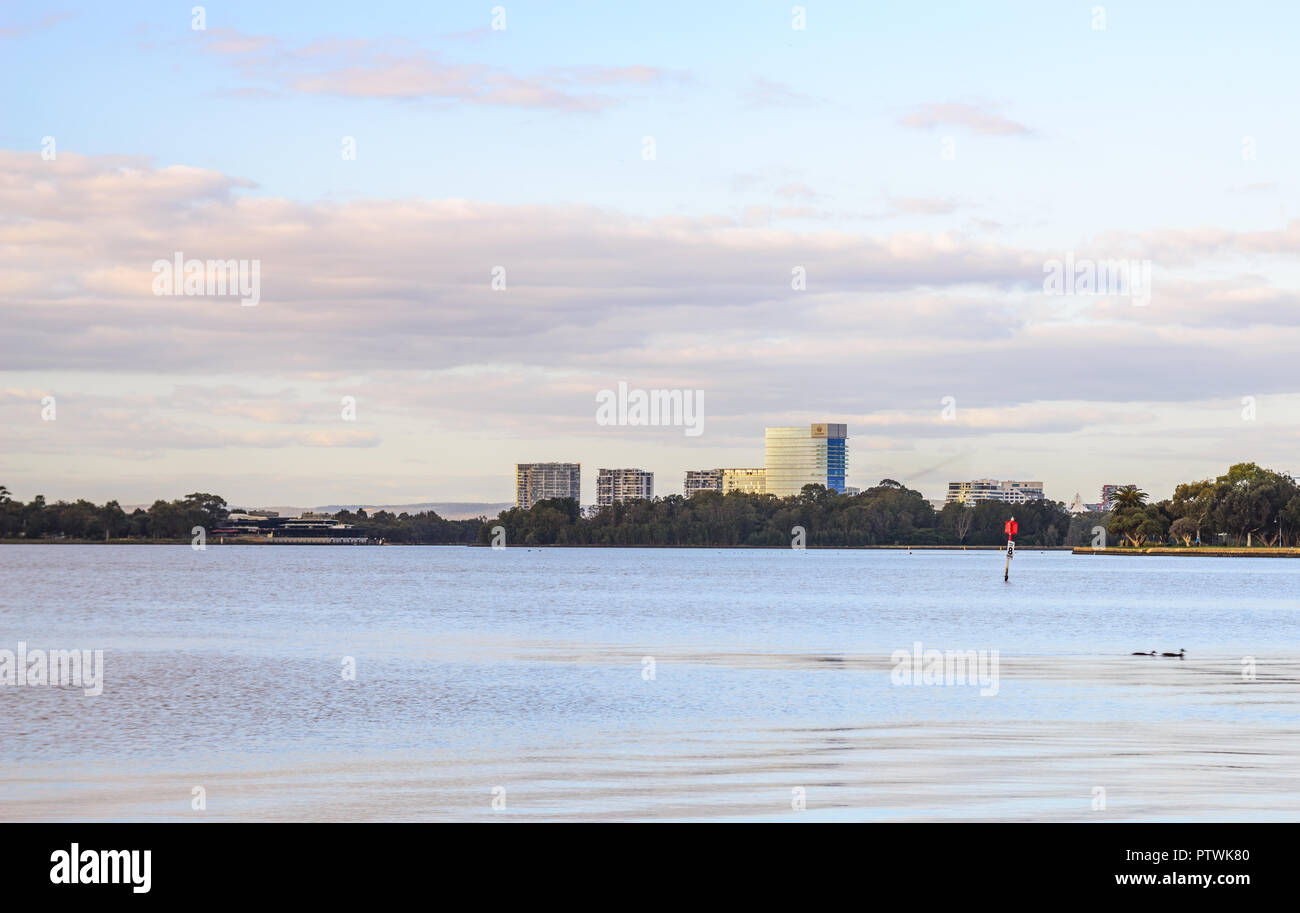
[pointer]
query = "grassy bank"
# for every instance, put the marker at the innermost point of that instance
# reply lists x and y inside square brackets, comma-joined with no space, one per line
[848,548]
[1208,551]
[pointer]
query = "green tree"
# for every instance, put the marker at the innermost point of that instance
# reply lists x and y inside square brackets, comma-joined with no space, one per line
[1185,529]
[1194,501]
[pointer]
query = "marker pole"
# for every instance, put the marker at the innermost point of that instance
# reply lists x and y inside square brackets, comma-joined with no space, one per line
[1011,529]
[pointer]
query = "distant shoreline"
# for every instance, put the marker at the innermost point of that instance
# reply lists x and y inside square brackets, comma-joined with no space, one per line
[1194,552]
[843,548]
[1158,551]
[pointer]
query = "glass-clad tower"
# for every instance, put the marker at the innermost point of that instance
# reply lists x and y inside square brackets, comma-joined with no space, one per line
[804,455]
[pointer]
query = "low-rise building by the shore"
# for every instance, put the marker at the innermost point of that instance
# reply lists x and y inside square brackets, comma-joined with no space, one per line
[290,530]
[1008,492]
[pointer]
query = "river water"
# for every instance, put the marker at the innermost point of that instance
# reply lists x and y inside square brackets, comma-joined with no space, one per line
[402,683]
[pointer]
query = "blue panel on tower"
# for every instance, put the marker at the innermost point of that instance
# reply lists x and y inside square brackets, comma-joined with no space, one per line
[836,463]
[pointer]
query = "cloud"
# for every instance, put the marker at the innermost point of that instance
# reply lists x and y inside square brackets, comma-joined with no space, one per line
[1192,245]
[615,76]
[922,206]
[45,22]
[977,118]
[796,191]
[1024,418]
[400,69]
[1266,187]
[391,301]
[764,93]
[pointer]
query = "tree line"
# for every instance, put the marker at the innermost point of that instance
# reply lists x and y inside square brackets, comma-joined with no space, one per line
[1247,505]
[888,514]
[174,520]
[82,519]
[424,528]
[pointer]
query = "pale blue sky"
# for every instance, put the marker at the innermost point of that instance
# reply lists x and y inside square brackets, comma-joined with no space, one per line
[774,146]
[1130,117]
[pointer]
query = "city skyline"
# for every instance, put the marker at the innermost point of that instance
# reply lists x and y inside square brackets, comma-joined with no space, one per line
[463,233]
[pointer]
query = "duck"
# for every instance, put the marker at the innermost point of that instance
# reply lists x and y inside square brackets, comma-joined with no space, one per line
[1152,653]
[1178,655]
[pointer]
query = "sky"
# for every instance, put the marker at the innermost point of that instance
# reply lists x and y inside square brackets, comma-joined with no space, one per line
[470,218]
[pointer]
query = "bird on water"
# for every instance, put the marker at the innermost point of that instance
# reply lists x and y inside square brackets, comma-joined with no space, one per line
[1179,654]
[1152,653]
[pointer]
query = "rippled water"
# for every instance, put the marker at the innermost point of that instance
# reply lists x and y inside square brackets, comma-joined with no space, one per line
[528,672]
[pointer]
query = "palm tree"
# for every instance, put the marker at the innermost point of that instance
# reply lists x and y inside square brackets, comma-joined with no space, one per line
[1126,497]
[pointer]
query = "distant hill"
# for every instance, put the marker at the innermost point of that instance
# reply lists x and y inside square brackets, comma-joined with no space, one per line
[448,510]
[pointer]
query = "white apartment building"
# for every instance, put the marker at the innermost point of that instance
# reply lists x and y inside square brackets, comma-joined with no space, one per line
[698,480]
[617,485]
[542,481]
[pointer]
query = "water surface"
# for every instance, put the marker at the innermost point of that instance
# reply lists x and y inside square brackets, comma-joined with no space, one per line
[589,684]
